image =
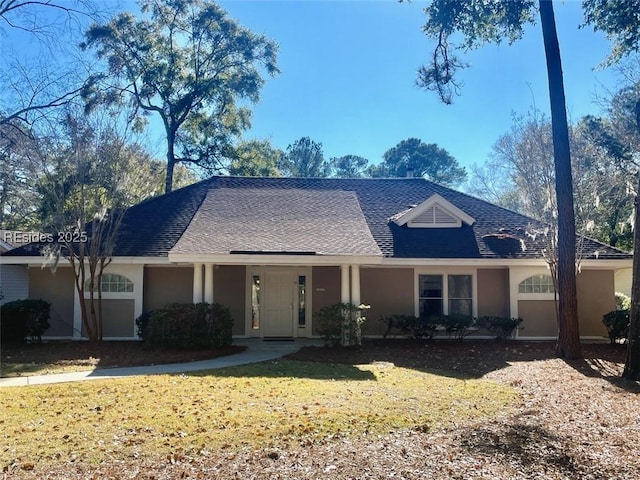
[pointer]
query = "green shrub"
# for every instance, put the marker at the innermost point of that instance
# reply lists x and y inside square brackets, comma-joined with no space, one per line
[501,327]
[340,324]
[623,302]
[24,319]
[456,326]
[415,327]
[617,324]
[186,325]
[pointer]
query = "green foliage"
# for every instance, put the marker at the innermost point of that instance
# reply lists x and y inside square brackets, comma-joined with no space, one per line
[22,319]
[349,166]
[425,160]
[415,327]
[501,327]
[189,63]
[479,22]
[617,324]
[255,158]
[619,20]
[454,326]
[623,302]
[304,158]
[187,325]
[340,324]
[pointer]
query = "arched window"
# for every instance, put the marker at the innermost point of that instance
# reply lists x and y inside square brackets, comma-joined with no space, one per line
[114,283]
[537,284]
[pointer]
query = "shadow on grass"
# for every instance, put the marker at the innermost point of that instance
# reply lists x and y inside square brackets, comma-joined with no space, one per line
[67,356]
[467,359]
[464,360]
[292,369]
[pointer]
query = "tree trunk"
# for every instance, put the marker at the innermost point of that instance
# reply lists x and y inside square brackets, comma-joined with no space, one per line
[568,345]
[632,364]
[171,161]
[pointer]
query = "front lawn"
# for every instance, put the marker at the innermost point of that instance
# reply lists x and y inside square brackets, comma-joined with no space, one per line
[274,404]
[395,409]
[74,356]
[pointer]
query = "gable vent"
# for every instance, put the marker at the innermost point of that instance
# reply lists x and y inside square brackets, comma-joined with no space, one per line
[434,216]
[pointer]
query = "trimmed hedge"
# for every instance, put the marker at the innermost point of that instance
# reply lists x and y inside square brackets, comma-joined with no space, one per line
[187,325]
[340,324]
[415,327]
[454,326]
[24,319]
[501,327]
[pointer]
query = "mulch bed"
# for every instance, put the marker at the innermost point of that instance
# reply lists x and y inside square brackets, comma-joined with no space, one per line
[573,420]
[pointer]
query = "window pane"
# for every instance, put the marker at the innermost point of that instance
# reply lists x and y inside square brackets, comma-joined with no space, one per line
[537,284]
[431,307]
[431,286]
[460,307]
[302,313]
[459,286]
[113,283]
[255,302]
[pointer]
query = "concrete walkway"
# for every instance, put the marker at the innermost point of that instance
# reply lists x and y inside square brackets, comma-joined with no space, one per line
[257,351]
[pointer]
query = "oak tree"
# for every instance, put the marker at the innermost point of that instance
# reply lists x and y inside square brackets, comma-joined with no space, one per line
[191,65]
[415,157]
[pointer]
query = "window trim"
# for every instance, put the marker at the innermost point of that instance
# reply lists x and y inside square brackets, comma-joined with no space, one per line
[445,287]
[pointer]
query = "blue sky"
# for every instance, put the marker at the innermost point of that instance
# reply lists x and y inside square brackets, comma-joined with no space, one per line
[349,69]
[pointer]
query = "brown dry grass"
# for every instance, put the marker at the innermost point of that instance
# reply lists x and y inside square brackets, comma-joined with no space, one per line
[72,356]
[574,420]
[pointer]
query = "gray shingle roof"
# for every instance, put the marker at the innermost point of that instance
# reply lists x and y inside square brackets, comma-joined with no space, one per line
[322,222]
[174,221]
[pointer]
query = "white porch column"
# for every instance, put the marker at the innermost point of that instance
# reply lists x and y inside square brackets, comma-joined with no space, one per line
[197,283]
[344,283]
[208,282]
[355,284]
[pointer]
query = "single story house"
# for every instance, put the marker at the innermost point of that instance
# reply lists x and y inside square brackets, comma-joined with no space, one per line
[276,250]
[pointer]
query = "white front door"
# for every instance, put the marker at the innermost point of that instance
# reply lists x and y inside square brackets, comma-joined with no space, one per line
[280,286]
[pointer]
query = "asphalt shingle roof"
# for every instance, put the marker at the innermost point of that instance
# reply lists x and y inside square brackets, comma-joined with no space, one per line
[326,215]
[322,222]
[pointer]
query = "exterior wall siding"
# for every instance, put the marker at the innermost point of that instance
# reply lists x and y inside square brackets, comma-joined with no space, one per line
[164,285]
[229,290]
[493,292]
[118,318]
[326,289]
[14,283]
[58,290]
[389,291]
[538,318]
[595,298]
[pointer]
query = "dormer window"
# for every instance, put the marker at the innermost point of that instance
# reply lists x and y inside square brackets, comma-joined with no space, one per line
[435,212]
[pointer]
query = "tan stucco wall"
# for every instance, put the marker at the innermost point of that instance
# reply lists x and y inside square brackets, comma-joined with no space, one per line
[493,292]
[326,289]
[389,291]
[229,290]
[538,318]
[164,285]
[595,298]
[117,318]
[58,290]
[595,290]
